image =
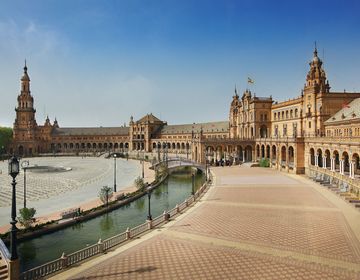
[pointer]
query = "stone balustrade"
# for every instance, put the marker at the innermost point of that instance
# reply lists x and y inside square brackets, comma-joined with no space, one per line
[353,184]
[101,247]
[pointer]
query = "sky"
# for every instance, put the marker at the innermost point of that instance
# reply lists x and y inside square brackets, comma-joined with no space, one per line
[96,63]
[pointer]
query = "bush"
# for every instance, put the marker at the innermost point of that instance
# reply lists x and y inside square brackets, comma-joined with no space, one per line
[139,183]
[264,162]
[26,218]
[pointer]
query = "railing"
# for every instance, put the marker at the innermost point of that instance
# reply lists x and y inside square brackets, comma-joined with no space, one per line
[82,254]
[334,139]
[44,270]
[158,220]
[5,255]
[115,240]
[139,229]
[342,181]
[102,246]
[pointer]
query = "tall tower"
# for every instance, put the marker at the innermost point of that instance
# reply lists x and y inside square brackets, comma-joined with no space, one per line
[315,87]
[234,115]
[25,124]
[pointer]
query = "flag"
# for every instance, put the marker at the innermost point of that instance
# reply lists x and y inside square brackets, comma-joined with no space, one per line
[250,81]
[345,105]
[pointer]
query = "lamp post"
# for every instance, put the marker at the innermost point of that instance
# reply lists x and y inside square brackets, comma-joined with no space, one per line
[24,165]
[114,172]
[149,217]
[13,172]
[166,156]
[206,165]
[143,159]
[192,183]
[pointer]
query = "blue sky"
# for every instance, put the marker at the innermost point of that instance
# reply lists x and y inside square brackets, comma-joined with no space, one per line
[97,63]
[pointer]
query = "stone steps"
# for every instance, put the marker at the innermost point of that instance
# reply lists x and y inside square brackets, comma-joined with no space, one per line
[3,270]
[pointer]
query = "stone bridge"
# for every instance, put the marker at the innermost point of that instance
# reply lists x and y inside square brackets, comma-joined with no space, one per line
[173,163]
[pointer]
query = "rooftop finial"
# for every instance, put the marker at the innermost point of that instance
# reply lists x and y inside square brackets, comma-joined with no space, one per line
[25,67]
[236,91]
[315,51]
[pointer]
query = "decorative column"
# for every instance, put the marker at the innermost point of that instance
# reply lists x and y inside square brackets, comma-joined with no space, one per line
[332,165]
[287,159]
[324,162]
[317,160]
[342,167]
[352,169]
[243,155]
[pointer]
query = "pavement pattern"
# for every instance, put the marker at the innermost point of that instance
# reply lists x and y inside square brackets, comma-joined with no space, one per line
[253,223]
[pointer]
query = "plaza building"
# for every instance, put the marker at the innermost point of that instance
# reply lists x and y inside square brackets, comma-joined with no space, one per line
[148,134]
[319,128]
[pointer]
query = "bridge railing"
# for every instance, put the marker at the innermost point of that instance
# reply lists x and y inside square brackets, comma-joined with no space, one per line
[66,261]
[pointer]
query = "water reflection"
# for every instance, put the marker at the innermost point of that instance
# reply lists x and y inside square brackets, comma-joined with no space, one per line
[49,247]
[106,223]
[140,204]
[27,250]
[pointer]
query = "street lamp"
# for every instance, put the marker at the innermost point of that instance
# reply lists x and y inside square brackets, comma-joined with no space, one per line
[192,183]
[24,165]
[149,217]
[206,164]
[114,172]
[13,172]
[143,159]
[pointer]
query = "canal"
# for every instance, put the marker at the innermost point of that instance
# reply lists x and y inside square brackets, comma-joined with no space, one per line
[174,190]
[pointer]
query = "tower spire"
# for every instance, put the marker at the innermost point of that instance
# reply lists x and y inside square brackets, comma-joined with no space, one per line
[315,51]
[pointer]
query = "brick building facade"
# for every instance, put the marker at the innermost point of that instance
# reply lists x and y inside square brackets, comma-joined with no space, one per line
[289,134]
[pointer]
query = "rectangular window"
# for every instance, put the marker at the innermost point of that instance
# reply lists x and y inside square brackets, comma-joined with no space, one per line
[309,124]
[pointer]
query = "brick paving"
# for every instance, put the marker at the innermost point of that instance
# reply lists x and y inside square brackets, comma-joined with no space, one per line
[279,195]
[287,230]
[165,258]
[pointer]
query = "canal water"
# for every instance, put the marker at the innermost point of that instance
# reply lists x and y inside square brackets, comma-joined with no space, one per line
[174,190]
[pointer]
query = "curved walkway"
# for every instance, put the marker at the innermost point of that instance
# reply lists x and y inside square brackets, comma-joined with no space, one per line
[255,223]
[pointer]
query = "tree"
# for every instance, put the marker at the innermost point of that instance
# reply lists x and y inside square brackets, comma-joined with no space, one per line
[26,217]
[105,194]
[139,183]
[161,171]
[5,138]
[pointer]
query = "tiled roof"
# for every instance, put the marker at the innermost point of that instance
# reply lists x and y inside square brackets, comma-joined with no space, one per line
[91,131]
[188,128]
[149,118]
[349,112]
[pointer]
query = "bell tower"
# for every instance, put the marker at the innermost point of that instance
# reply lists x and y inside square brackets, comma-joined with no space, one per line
[25,124]
[234,115]
[315,88]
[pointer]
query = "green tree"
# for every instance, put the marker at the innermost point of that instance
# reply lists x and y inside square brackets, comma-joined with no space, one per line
[139,183]
[161,171]
[105,194]
[26,217]
[5,138]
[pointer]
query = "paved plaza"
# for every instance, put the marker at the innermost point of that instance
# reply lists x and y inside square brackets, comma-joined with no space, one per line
[51,192]
[254,223]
